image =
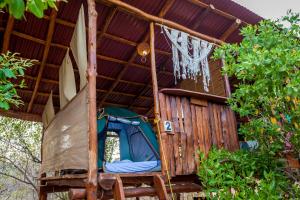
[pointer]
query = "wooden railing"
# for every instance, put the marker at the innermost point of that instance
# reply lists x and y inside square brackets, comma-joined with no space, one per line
[198,121]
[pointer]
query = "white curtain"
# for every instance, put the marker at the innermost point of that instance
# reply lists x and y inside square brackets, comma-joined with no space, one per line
[67,86]
[189,55]
[78,47]
[49,112]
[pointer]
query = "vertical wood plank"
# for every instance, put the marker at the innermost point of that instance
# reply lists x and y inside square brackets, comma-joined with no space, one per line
[225,128]
[170,138]
[195,135]
[183,140]
[206,129]
[176,134]
[189,136]
[212,123]
[179,167]
[218,134]
[201,136]
[164,143]
[233,129]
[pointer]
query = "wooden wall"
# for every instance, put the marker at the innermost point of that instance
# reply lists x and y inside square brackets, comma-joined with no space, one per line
[197,125]
[216,85]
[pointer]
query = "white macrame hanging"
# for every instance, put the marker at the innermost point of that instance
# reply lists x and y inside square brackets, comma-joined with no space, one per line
[185,64]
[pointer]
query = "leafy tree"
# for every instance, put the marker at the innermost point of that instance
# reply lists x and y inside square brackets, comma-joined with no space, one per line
[12,67]
[19,158]
[266,64]
[17,7]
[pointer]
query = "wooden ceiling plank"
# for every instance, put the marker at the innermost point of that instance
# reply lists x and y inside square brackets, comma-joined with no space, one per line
[234,26]
[163,12]
[51,27]
[7,33]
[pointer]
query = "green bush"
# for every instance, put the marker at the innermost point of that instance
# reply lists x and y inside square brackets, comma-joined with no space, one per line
[245,175]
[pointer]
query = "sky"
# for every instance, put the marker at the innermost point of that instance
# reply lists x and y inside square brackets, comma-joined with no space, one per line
[270,9]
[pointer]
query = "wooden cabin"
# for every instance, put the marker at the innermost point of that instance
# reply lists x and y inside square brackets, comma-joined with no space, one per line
[184,117]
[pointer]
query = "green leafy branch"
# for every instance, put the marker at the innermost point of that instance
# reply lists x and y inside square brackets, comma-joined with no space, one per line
[17,7]
[11,67]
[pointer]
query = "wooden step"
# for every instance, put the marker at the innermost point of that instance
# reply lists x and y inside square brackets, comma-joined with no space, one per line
[160,187]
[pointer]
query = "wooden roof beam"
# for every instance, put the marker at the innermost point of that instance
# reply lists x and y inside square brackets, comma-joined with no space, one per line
[104,34]
[44,59]
[163,12]
[197,22]
[148,17]
[107,58]
[217,11]
[7,33]
[234,26]
[109,18]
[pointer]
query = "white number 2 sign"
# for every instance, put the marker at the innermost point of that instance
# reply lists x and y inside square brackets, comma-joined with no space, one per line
[168,126]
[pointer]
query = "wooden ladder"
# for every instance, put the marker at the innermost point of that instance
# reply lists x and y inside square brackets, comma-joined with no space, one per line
[158,184]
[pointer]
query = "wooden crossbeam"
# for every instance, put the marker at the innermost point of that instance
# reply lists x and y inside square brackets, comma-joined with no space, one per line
[198,20]
[217,11]
[163,12]
[235,25]
[45,56]
[21,115]
[7,33]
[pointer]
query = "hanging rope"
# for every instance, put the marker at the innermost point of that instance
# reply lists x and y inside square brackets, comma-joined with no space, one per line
[185,64]
[156,121]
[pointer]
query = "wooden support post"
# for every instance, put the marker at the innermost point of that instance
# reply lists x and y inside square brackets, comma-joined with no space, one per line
[91,185]
[153,71]
[7,34]
[119,190]
[42,192]
[160,187]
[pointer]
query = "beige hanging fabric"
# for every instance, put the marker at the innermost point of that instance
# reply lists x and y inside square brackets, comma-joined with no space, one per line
[49,112]
[65,141]
[78,47]
[67,86]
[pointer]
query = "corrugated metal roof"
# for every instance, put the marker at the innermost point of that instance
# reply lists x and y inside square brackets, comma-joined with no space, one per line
[122,25]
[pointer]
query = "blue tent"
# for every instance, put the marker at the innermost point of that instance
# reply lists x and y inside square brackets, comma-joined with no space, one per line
[138,142]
